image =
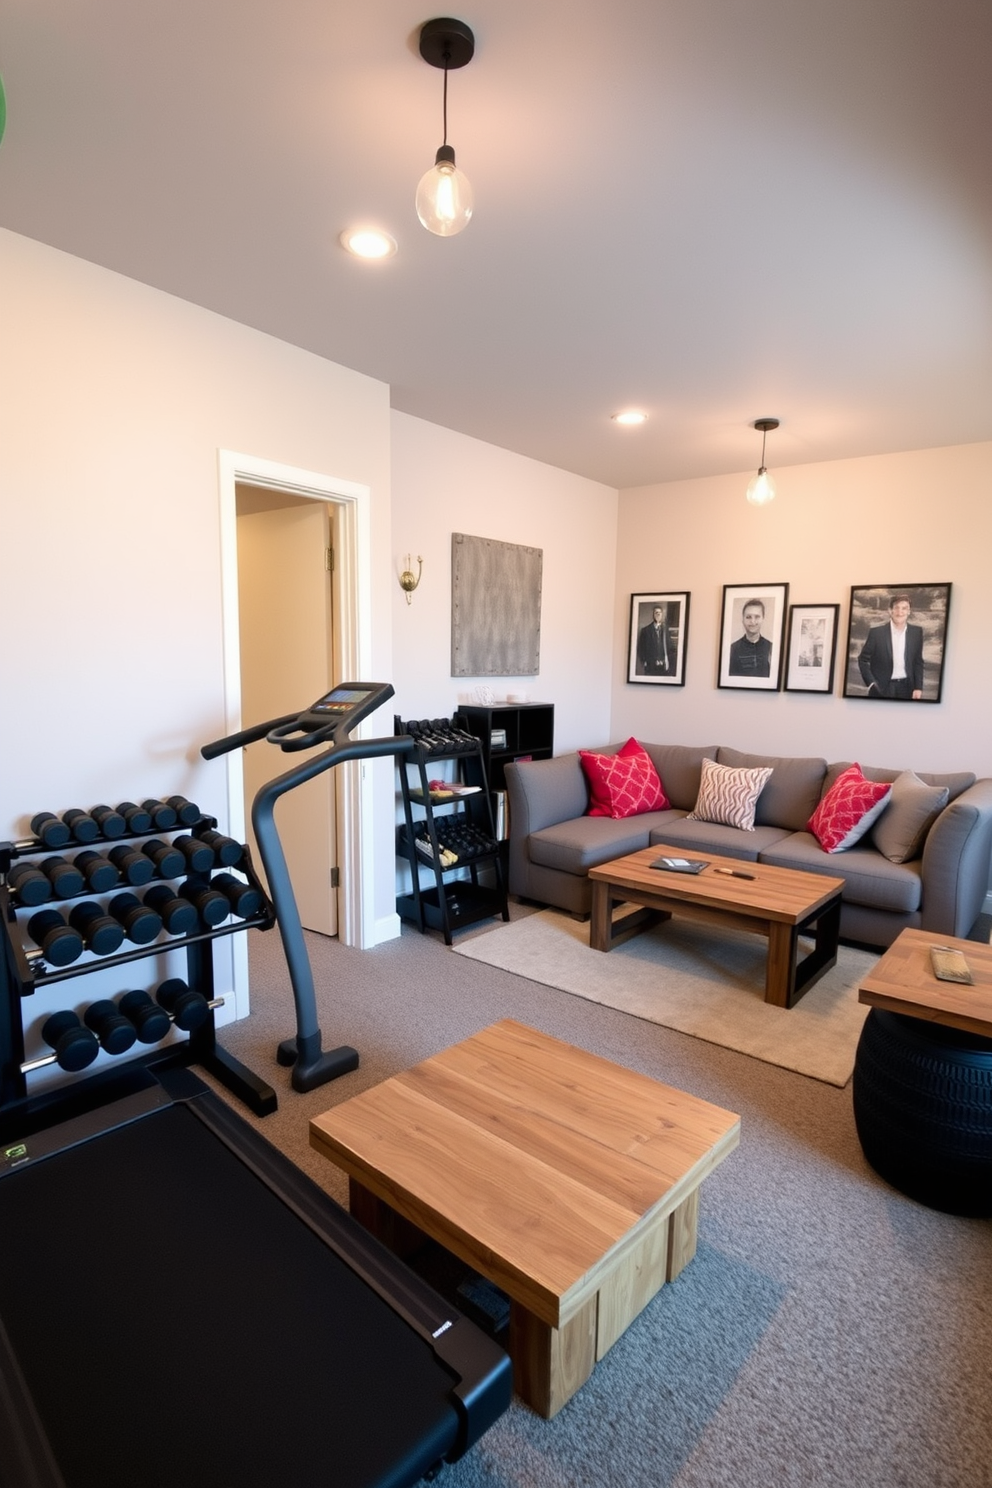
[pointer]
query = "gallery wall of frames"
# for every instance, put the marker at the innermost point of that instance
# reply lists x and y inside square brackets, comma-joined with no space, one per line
[896,640]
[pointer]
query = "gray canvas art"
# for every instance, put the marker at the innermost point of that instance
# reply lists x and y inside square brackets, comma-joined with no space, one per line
[495,608]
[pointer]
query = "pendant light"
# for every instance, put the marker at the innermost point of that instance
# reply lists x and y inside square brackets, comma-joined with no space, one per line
[444,196]
[761,489]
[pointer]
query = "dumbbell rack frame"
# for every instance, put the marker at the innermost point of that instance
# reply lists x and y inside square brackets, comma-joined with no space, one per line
[20,978]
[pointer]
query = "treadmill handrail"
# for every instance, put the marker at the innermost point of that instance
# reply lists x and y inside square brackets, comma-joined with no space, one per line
[245,736]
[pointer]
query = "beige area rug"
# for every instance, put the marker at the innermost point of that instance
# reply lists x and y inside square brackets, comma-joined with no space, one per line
[694,978]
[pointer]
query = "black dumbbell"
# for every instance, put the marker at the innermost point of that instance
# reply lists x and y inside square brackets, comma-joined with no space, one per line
[212,907]
[167,860]
[115,1032]
[178,916]
[141,924]
[187,812]
[81,825]
[137,818]
[29,884]
[227,852]
[49,830]
[243,898]
[162,815]
[188,1009]
[110,822]
[98,871]
[101,934]
[150,1021]
[199,857]
[59,943]
[65,879]
[75,1046]
[133,866]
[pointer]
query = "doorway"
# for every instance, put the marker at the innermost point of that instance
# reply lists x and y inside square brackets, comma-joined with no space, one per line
[347,507]
[285,623]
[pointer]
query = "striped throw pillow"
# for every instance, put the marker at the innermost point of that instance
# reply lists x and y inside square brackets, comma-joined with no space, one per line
[728,797]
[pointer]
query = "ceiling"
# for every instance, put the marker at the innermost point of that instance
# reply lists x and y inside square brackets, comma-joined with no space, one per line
[713,210]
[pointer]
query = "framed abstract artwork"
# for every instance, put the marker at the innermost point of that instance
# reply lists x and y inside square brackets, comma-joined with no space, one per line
[811,648]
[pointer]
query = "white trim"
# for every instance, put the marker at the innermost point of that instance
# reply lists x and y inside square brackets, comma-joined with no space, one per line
[353,626]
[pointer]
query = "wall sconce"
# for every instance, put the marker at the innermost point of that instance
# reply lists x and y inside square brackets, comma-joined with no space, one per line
[761,488]
[444,196]
[407,580]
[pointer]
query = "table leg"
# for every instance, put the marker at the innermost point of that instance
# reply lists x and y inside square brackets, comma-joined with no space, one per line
[780,971]
[550,1364]
[601,916]
[683,1228]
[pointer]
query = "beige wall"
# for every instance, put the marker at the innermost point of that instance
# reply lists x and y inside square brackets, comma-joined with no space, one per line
[115,401]
[444,482]
[919,517]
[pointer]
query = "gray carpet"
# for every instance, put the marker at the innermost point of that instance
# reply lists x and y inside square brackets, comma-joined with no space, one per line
[829,1331]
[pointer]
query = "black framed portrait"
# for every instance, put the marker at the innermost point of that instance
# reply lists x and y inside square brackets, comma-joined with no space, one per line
[896,639]
[751,632]
[811,648]
[659,629]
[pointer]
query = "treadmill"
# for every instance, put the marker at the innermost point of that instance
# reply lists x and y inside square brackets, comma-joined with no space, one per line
[180,1305]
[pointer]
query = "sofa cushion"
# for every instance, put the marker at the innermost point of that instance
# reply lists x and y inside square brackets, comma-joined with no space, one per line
[900,831]
[622,784]
[708,837]
[869,879]
[847,810]
[957,782]
[728,797]
[586,841]
[791,795]
[679,768]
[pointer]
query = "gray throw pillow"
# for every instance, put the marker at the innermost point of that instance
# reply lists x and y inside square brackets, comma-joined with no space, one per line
[900,832]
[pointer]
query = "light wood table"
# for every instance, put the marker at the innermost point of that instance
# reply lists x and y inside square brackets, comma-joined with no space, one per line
[569,1182]
[779,903]
[902,981]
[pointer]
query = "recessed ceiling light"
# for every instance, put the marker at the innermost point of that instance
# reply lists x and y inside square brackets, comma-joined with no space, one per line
[630,416]
[368,242]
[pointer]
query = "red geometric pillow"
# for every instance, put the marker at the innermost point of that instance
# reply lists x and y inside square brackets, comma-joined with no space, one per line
[848,809]
[623,784]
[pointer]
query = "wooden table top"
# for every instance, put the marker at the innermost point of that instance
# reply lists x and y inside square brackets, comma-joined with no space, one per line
[903,982]
[784,894]
[539,1154]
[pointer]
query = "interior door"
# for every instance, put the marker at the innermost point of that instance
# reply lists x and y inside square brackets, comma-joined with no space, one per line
[284,600]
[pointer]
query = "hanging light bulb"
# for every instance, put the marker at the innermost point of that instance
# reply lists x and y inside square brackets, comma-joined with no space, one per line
[761,488]
[444,195]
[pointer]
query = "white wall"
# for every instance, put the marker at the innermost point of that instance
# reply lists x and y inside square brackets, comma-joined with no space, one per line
[443,482]
[114,402]
[920,517]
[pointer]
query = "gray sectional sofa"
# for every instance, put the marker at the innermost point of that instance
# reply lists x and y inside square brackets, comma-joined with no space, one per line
[553,843]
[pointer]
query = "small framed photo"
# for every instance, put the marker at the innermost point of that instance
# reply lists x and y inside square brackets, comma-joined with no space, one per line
[751,634]
[812,647]
[659,629]
[896,636]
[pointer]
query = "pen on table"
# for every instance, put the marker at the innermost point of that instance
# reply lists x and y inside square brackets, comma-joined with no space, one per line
[732,873]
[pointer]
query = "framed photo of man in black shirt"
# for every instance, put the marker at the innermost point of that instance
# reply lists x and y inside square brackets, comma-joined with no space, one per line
[751,634]
[659,629]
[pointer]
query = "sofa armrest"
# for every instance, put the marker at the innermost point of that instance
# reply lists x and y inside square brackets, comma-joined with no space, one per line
[957,858]
[540,793]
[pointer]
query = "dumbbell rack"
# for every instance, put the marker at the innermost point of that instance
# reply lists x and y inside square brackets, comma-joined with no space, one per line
[21,976]
[450,903]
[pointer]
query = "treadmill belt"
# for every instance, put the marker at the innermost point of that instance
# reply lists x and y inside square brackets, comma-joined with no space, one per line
[177,1324]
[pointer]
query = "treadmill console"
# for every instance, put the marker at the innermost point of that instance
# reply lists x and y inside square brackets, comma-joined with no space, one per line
[333,716]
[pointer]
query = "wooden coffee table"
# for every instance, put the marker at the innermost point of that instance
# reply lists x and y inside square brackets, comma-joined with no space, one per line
[902,981]
[778,903]
[569,1182]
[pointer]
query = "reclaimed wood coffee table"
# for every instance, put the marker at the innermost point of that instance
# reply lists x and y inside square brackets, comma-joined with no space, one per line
[569,1182]
[779,903]
[902,981]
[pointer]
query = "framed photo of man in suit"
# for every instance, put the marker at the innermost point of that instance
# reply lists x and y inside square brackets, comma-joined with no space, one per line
[659,629]
[751,632]
[896,636]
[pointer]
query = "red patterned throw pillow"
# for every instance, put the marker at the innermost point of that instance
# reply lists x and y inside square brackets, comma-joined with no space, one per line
[623,784]
[848,809]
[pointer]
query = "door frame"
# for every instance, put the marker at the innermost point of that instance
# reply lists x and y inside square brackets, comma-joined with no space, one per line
[352,621]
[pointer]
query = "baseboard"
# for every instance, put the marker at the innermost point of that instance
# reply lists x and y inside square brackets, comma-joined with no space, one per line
[387,928]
